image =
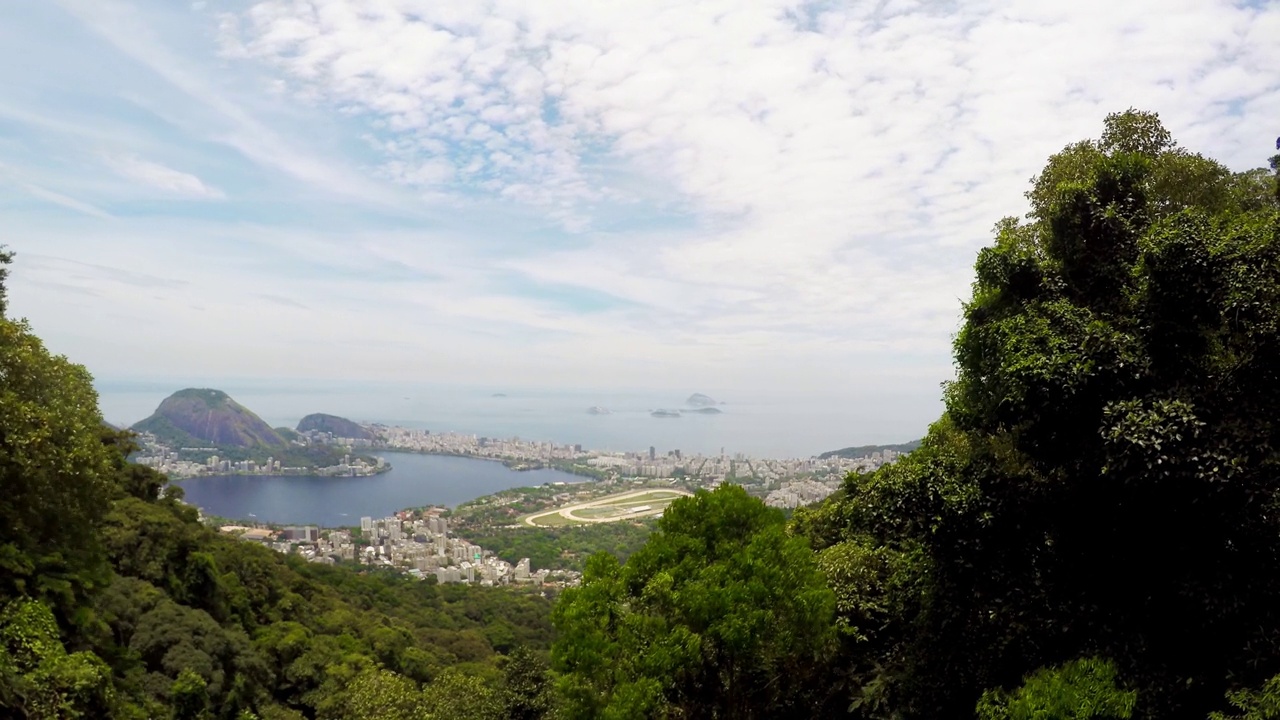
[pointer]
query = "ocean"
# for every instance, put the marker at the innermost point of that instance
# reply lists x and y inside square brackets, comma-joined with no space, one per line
[754,424]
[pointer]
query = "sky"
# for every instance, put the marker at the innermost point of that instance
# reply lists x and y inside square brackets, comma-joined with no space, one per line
[752,196]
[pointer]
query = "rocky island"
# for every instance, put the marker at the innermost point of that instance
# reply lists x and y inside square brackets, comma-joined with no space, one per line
[700,400]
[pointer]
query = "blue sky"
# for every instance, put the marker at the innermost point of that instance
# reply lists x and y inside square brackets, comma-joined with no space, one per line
[750,196]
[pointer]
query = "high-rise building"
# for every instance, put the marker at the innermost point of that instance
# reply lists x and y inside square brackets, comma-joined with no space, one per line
[653,453]
[306,533]
[366,524]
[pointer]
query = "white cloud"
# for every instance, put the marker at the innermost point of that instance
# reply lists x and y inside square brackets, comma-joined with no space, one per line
[771,193]
[159,177]
[65,201]
[841,168]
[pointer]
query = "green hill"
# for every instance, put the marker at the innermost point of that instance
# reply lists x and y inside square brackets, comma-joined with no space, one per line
[866,450]
[337,426]
[201,417]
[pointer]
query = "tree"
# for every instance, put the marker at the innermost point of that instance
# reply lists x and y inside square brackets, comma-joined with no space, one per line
[189,697]
[527,692]
[1254,704]
[382,695]
[1080,690]
[720,614]
[39,679]
[6,257]
[455,695]
[55,472]
[1102,480]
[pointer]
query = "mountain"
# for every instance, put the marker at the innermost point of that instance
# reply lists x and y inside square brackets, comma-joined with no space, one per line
[700,400]
[867,450]
[337,426]
[198,417]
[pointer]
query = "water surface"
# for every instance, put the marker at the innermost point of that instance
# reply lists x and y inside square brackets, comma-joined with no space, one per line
[413,481]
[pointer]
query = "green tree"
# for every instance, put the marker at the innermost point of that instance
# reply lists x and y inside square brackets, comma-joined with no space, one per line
[382,695]
[189,696]
[720,614]
[455,695]
[6,257]
[1260,704]
[39,679]
[55,471]
[1080,690]
[527,692]
[1102,480]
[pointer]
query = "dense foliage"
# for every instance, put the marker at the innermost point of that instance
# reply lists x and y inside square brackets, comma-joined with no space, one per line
[1102,483]
[116,602]
[564,548]
[720,613]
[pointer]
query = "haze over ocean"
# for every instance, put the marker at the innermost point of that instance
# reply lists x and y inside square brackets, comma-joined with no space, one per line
[756,424]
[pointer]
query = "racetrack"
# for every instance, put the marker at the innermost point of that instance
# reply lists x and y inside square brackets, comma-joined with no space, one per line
[656,499]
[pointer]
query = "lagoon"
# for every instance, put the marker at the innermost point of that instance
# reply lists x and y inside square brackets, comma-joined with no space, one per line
[414,481]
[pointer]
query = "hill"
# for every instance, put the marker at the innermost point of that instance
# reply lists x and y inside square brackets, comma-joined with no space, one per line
[700,400]
[204,417]
[336,426]
[866,450]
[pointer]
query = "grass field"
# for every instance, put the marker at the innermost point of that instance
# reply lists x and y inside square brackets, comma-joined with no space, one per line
[612,508]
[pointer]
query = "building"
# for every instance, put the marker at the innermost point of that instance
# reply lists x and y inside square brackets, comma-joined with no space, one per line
[306,533]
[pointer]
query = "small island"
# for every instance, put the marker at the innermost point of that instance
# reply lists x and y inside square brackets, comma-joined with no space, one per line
[700,400]
[706,411]
[665,413]
[597,410]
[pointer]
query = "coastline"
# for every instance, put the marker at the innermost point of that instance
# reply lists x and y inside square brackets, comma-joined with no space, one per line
[304,472]
[516,464]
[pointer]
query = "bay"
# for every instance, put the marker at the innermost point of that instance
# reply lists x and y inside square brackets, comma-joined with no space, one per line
[414,480]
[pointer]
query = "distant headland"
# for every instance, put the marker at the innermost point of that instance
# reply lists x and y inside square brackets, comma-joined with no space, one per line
[863,451]
[200,431]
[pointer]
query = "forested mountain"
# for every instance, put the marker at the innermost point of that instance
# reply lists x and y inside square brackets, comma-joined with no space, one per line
[200,417]
[334,425]
[1091,529]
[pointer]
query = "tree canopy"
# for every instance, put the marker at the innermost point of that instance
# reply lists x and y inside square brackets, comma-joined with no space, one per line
[1102,480]
[721,613]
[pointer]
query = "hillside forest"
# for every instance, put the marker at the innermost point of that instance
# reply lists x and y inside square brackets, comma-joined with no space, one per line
[1090,530]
